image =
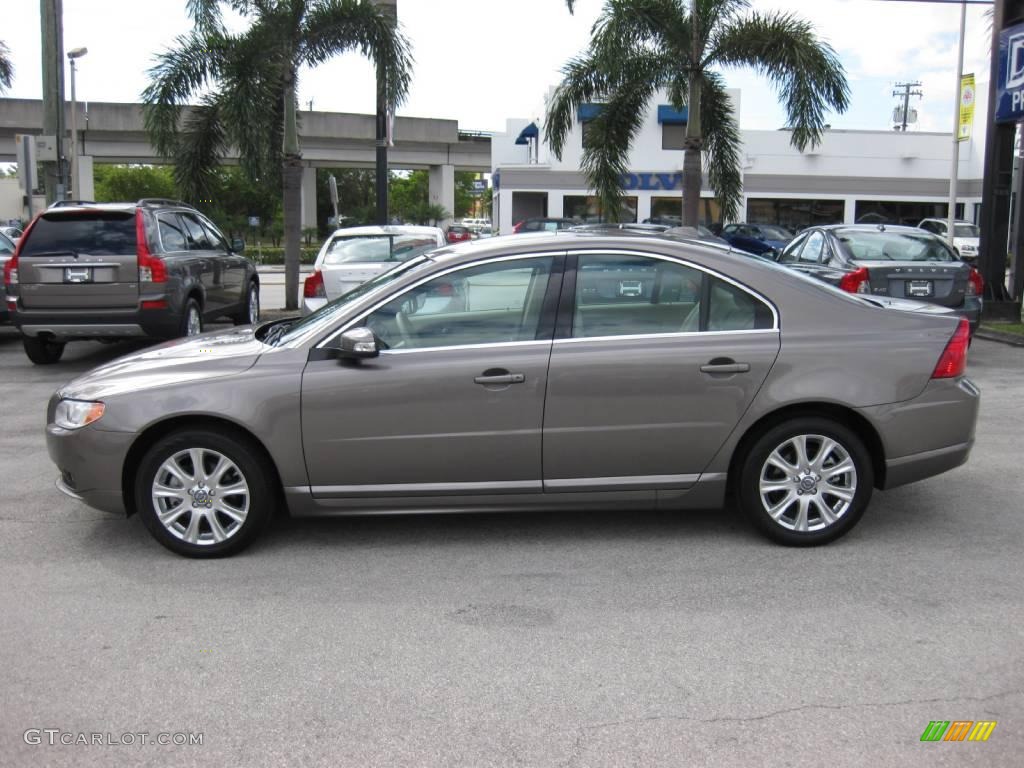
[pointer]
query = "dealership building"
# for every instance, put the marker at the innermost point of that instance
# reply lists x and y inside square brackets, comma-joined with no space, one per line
[852,175]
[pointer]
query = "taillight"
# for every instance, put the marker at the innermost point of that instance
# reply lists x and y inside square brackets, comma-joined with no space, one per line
[11,271]
[858,281]
[151,268]
[517,227]
[975,283]
[313,288]
[954,356]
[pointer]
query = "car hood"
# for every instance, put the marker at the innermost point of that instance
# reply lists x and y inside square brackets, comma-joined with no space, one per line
[210,355]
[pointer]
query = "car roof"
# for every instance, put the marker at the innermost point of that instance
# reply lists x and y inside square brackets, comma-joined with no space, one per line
[386,229]
[873,228]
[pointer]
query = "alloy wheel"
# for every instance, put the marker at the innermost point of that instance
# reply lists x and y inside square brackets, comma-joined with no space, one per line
[195,322]
[200,496]
[254,305]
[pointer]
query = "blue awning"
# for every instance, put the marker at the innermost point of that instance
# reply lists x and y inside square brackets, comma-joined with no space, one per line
[669,115]
[529,132]
[588,112]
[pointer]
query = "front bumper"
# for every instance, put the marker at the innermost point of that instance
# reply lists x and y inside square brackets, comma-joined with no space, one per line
[90,462]
[929,434]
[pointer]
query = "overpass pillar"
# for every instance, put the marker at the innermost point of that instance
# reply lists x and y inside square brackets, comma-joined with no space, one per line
[442,190]
[84,184]
[309,197]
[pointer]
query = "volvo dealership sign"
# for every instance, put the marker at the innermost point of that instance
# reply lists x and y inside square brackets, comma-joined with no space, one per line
[1010,85]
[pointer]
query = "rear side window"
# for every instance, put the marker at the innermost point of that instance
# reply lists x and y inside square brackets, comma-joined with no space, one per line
[171,233]
[733,309]
[101,234]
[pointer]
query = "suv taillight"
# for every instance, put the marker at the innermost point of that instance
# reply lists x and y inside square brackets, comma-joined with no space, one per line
[151,268]
[954,356]
[313,288]
[11,267]
[975,283]
[858,281]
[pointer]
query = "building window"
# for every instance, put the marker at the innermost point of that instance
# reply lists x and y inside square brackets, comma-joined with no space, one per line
[794,214]
[588,209]
[669,210]
[901,212]
[673,136]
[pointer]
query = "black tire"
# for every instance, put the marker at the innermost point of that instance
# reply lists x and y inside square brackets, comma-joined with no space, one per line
[249,464]
[41,351]
[252,295]
[191,305]
[819,503]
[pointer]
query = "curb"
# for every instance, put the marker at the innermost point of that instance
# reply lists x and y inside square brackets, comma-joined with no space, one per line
[1013,339]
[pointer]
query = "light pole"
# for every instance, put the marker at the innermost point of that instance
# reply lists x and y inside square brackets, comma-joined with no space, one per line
[74,53]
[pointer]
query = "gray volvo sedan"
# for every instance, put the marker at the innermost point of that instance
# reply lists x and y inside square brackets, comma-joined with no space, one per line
[569,370]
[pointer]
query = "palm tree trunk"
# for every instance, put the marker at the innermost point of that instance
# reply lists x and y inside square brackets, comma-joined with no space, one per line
[291,173]
[692,148]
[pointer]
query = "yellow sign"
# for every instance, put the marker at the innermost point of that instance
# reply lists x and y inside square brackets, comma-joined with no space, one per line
[967,99]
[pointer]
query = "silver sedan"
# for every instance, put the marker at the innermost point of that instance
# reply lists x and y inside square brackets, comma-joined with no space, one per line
[563,371]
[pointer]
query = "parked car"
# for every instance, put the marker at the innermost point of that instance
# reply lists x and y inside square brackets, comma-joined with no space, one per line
[700,232]
[13,233]
[7,248]
[543,224]
[891,261]
[966,236]
[759,239]
[353,255]
[155,268]
[571,371]
[458,234]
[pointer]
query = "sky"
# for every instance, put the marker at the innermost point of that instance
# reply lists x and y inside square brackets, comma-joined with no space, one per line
[482,61]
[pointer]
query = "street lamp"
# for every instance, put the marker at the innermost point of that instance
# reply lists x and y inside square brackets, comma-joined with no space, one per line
[74,53]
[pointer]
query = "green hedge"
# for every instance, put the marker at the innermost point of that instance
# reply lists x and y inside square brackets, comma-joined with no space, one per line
[273,255]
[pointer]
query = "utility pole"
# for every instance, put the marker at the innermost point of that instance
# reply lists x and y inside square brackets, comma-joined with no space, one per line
[954,170]
[51,15]
[390,8]
[906,93]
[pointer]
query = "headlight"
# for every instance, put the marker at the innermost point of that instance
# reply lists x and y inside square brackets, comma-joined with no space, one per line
[75,414]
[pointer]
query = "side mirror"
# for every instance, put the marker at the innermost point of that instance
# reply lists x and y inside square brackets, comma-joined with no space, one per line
[238,245]
[357,344]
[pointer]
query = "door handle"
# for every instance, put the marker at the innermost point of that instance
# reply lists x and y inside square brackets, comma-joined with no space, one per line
[489,378]
[724,365]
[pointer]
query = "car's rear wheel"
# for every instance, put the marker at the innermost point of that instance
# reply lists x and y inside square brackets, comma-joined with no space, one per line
[806,481]
[203,494]
[249,314]
[191,319]
[42,351]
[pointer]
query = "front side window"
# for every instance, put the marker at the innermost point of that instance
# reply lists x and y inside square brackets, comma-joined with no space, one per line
[488,304]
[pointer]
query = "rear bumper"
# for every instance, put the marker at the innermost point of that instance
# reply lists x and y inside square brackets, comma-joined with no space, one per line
[972,311]
[309,306]
[929,434]
[67,325]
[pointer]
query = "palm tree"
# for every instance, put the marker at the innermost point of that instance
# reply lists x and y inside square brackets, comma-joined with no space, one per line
[641,46]
[6,67]
[246,87]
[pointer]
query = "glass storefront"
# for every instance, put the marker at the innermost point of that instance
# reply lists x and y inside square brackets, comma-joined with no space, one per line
[588,209]
[669,210]
[901,212]
[794,214]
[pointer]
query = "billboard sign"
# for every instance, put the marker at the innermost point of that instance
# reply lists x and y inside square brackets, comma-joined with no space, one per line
[1010,85]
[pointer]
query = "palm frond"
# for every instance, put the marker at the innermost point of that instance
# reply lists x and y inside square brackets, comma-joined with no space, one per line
[206,15]
[203,142]
[657,25]
[806,71]
[583,82]
[332,27]
[722,143]
[569,4]
[6,67]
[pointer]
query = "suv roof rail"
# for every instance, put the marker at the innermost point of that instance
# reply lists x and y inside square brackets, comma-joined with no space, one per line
[163,201]
[70,203]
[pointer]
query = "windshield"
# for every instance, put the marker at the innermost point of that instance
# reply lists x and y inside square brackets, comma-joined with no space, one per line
[6,245]
[966,230]
[282,333]
[775,233]
[371,249]
[883,245]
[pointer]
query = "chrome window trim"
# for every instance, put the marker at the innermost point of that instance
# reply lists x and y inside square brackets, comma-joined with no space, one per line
[692,265]
[530,343]
[391,297]
[673,334]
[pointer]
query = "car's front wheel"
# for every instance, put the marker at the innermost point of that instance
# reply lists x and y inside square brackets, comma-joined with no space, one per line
[806,481]
[249,313]
[41,351]
[204,494]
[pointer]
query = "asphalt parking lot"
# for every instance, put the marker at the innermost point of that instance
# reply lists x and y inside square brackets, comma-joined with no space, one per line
[517,640]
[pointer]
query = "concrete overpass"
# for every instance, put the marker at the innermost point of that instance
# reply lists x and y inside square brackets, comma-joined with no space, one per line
[114,133]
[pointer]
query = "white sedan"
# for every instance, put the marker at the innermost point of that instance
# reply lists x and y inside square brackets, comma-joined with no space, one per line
[353,255]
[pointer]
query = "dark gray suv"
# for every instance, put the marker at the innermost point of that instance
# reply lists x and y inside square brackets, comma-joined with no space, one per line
[155,268]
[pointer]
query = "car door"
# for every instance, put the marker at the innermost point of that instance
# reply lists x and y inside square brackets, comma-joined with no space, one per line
[653,364]
[228,267]
[201,262]
[454,404]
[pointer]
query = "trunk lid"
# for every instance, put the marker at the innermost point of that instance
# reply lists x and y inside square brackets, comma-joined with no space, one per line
[943,283]
[342,278]
[82,259]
